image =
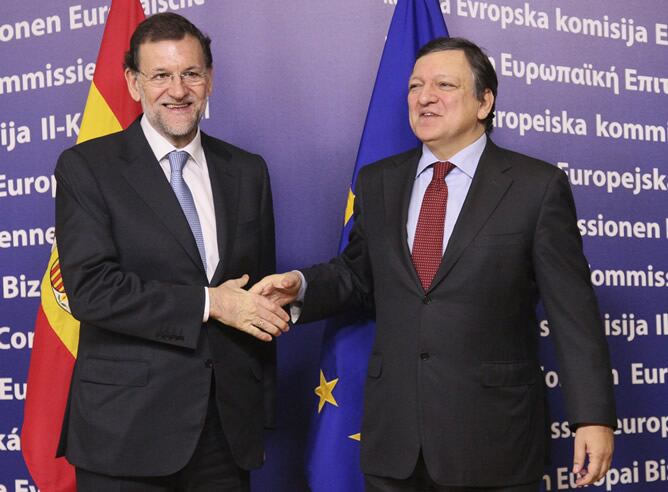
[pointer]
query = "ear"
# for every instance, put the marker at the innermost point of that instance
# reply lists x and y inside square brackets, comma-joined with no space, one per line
[486,104]
[133,87]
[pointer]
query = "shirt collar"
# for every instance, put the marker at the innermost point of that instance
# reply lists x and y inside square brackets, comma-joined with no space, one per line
[161,146]
[466,159]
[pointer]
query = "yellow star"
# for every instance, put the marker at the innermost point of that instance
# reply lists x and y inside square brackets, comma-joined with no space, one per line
[349,206]
[356,437]
[324,391]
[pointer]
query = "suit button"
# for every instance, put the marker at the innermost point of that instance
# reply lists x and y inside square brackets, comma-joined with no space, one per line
[208,363]
[424,356]
[426,300]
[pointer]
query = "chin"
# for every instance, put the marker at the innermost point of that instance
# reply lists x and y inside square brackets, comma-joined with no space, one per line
[428,137]
[181,130]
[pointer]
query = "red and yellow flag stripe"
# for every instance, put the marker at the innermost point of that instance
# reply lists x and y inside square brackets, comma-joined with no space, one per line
[109,109]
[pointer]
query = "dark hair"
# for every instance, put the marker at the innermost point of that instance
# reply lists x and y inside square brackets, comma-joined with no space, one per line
[484,75]
[161,27]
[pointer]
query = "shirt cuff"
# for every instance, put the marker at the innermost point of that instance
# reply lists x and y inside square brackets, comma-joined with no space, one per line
[205,318]
[296,306]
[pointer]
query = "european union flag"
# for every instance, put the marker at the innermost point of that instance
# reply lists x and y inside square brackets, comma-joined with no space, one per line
[333,461]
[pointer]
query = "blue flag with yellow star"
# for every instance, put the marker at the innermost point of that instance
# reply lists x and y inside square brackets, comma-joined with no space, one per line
[333,460]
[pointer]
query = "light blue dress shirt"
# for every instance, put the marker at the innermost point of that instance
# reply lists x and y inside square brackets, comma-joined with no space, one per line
[458,181]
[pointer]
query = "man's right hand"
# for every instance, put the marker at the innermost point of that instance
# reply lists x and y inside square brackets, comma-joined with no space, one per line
[247,311]
[281,288]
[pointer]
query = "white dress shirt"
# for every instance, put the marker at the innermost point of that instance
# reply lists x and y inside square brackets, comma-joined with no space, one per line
[196,176]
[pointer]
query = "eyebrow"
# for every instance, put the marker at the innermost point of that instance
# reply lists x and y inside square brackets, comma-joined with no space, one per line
[190,67]
[437,76]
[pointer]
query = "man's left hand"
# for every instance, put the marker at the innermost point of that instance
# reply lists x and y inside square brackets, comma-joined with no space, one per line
[594,442]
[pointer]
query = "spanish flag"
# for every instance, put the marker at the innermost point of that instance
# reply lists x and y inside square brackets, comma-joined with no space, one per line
[109,109]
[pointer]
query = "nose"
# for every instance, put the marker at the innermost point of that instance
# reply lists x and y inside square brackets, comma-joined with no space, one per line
[177,87]
[427,94]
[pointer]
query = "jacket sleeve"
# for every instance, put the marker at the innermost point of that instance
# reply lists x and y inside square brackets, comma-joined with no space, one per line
[99,291]
[267,263]
[564,282]
[346,282]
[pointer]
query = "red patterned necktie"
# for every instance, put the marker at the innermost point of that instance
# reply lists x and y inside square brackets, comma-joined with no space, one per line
[428,241]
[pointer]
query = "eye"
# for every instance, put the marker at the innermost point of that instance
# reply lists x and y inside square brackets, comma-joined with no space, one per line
[192,78]
[161,76]
[413,85]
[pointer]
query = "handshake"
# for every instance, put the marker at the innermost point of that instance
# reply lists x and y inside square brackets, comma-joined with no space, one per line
[257,311]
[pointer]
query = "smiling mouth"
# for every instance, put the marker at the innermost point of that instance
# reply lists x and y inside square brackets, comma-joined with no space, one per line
[177,106]
[427,117]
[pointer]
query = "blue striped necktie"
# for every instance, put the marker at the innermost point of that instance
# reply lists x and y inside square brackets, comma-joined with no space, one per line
[177,160]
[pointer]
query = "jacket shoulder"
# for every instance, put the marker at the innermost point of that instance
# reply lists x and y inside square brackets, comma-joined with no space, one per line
[97,156]
[403,158]
[525,164]
[99,146]
[227,149]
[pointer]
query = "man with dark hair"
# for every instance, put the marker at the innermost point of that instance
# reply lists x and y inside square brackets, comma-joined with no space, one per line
[166,26]
[160,227]
[484,75]
[452,246]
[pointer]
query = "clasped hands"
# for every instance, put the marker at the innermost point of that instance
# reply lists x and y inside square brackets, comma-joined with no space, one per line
[257,311]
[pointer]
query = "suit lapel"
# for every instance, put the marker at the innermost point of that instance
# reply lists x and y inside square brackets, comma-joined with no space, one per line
[144,174]
[397,187]
[225,188]
[489,185]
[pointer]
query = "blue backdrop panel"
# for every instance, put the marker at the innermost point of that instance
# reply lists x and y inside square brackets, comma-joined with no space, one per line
[582,84]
